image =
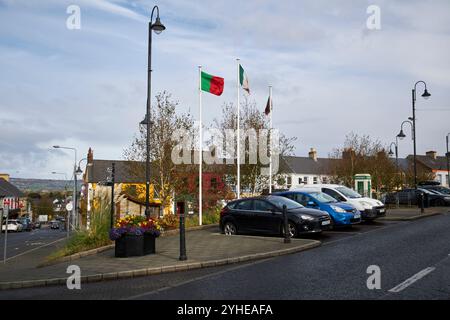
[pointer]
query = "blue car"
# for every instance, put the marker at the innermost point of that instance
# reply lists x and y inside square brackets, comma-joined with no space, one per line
[342,214]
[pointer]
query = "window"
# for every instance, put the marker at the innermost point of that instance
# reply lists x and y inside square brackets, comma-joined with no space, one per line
[261,205]
[244,205]
[213,183]
[334,194]
[305,180]
[289,181]
[300,181]
[302,199]
[280,201]
[315,180]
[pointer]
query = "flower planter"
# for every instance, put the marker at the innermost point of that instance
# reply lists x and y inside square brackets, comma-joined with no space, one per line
[149,243]
[129,246]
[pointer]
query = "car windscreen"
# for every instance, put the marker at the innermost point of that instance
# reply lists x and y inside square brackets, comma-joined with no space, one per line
[349,193]
[280,201]
[323,197]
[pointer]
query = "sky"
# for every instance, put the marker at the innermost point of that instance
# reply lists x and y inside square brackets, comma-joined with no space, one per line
[331,74]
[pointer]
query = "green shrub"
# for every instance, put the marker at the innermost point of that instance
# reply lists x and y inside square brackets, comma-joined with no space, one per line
[82,240]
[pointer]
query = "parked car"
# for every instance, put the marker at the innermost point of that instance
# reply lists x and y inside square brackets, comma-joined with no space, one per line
[13,225]
[438,188]
[342,214]
[370,208]
[412,197]
[264,215]
[26,223]
[37,225]
[54,225]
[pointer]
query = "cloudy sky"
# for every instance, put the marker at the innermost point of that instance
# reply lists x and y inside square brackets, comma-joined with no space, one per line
[330,74]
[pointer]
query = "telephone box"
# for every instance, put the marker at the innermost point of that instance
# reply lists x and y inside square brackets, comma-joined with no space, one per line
[363,184]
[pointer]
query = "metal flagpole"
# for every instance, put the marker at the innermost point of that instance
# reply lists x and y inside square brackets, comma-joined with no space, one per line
[238,156]
[200,145]
[270,140]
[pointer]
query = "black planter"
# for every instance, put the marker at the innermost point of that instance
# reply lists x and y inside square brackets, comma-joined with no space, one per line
[129,246]
[149,243]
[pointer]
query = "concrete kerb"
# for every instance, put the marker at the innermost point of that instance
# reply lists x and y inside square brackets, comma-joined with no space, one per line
[158,270]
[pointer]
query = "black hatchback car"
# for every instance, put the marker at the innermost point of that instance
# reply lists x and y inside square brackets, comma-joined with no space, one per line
[264,214]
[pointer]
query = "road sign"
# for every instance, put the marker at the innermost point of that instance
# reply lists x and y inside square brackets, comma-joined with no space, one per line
[69,206]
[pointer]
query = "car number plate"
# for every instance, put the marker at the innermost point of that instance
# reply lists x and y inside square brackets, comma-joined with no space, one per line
[382,210]
[324,223]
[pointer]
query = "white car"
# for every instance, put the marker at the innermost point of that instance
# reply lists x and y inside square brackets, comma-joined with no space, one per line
[370,208]
[13,225]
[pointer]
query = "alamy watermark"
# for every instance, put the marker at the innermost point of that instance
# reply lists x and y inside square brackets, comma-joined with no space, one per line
[374,280]
[373,22]
[256,147]
[73,21]
[74,280]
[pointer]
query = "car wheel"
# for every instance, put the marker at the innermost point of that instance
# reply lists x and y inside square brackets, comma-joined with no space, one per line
[229,229]
[292,230]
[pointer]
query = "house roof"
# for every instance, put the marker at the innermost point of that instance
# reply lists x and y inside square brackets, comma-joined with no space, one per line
[440,163]
[9,190]
[305,165]
[125,171]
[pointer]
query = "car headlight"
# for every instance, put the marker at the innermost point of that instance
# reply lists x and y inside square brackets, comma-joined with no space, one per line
[306,217]
[338,209]
[366,205]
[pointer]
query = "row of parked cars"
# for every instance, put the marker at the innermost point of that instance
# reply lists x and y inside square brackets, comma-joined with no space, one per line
[432,194]
[19,225]
[310,209]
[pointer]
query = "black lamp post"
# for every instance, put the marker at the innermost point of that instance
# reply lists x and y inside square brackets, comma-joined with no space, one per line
[390,153]
[157,27]
[448,161]
[402,135]
[425,95]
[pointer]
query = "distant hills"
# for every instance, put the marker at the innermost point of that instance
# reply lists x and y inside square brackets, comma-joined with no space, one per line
[42,185]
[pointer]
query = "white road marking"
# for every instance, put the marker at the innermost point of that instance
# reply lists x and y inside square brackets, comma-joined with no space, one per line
[34,249]
[413,279]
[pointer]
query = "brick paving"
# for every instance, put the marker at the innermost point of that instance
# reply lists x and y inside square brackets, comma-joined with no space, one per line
[203,246]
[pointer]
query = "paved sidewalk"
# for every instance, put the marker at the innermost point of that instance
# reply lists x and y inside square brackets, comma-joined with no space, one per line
[413,213]
[205,248]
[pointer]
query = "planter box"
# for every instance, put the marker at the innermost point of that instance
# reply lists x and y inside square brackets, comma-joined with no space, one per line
[129,246]
[149,244]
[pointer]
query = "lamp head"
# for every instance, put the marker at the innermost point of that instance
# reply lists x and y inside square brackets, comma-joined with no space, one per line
[426,94]
[390,153]
[56,147]
[158,27]
[401,135]
[79,171]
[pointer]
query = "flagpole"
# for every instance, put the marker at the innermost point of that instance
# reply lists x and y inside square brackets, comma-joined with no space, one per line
[238,157]
[200,145]
[270,141]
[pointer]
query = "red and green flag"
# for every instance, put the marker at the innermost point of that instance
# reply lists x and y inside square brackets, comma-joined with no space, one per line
[212,84]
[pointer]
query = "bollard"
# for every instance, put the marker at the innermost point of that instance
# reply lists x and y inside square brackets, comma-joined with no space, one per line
[181,209]
[422,196]
[287,236]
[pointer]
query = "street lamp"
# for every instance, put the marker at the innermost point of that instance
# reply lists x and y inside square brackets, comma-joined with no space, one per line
[390,153]
[448,160]
[74,182]
[401,134]
[425,95]
[157,27]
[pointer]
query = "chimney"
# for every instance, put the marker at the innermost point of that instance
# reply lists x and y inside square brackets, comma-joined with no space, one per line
[313,154]
[432,154]
[90,156]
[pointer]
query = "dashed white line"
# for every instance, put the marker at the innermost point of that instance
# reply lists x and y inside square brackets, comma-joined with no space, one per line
[419,275]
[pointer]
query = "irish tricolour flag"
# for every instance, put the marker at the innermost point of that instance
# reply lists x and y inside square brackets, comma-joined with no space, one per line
[212,84]
[243,79]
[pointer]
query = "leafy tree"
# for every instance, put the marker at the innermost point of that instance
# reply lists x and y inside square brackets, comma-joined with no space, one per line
[164,122]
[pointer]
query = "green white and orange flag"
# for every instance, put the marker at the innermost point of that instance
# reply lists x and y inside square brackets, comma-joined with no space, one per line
[243,79]
[212,84]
